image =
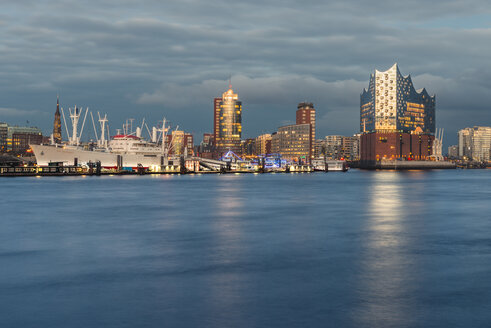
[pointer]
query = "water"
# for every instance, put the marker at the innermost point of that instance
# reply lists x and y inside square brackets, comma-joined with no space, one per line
[356,249]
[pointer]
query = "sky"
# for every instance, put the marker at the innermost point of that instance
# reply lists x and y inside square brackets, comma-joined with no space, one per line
[153,59]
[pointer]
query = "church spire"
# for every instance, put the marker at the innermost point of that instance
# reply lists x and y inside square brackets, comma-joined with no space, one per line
[57,122]
[57,104]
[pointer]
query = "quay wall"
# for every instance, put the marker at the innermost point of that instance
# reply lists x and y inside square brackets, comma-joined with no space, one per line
[406,165]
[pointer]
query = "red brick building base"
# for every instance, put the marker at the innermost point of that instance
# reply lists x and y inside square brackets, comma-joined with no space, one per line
[394,145]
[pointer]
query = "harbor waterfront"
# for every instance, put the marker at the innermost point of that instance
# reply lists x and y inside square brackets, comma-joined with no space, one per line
[360,249]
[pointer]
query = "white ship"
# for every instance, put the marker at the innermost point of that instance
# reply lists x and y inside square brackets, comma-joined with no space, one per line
[126,150]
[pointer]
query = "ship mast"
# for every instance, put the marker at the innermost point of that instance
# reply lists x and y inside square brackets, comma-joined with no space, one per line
[74,115]
[102,122]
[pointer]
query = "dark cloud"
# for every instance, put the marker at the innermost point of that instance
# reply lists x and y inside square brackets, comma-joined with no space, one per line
[154,58]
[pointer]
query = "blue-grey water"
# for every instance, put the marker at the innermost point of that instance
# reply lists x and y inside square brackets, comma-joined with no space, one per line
[356,249]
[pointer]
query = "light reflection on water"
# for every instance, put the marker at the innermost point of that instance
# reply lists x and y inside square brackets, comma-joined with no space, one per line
[360,249]
[383,276]
[227,251]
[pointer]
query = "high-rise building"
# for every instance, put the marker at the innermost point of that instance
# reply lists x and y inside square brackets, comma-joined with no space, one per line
[465,143]
[397,121]
[216,117]
[229,131]
[57,123]
[481,143]
[306,115]
[293,142]
[475,143]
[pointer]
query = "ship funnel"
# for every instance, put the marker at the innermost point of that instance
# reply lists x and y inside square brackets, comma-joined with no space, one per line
[138,132]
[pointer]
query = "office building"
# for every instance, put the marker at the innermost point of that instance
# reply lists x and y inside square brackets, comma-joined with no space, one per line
[263,144]
[16,139]
[475,143]
[229,130]
[180,143]
[293,142]
[248,147]
[453,151]
[319,148]
[207,146]
[216,117]
[481,143]
[465,143]
[4,128]
[306,115]
[333,145]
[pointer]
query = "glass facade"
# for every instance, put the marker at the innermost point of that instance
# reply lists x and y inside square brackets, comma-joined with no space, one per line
[392,104]
[230,123]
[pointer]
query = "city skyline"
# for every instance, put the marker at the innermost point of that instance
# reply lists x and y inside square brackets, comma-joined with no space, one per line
[132,61]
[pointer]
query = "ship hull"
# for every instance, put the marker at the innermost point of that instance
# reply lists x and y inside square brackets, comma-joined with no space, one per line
[46,154]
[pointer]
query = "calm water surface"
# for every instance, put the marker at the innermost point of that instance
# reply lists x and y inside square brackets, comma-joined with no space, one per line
[356,249]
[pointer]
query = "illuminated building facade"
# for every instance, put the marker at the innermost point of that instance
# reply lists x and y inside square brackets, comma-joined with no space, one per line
[229,130]
[349,147]
[216,117]
[4,128]
[275,143]
[293,142]
[306,115]
[319,148]
[248,147]
[475,143]
[341,147]
[396,120]
[392,104]
[465,141]
[333,145]
[16,139]
[263,144]
[57,123]
[378,146]
[180,143]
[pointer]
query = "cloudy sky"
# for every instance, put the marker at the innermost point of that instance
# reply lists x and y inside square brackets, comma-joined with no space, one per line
[154,58]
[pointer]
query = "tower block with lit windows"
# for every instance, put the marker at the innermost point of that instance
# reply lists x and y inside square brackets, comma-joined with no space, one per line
[228,123]
[306,115]
[57,123]
[396,120]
